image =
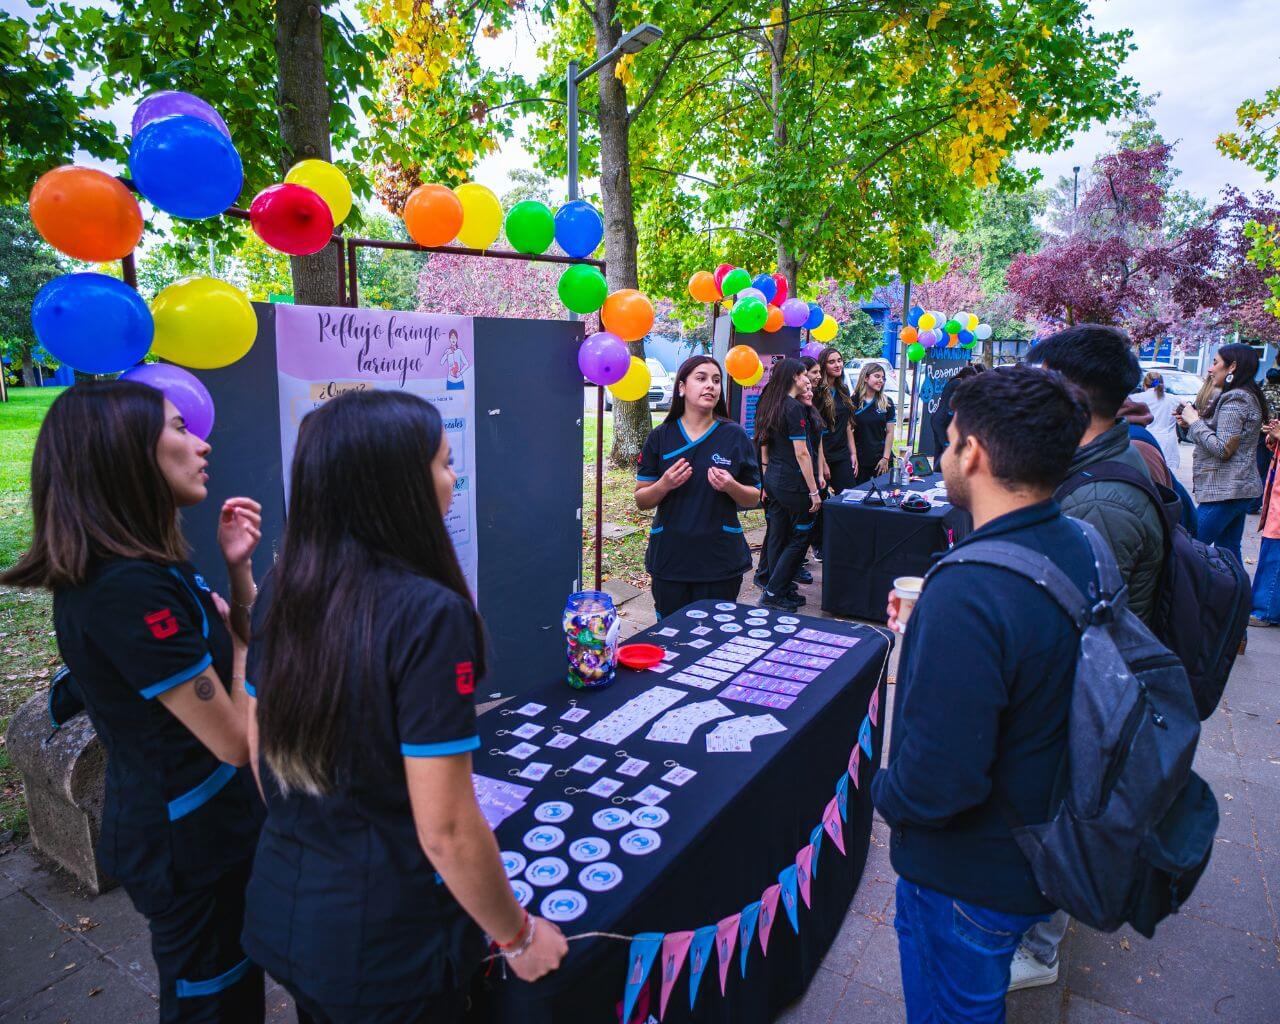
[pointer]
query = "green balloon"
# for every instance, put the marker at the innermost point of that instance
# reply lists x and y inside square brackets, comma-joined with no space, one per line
[749,314]
[952,327]
[530,227]
[582,288]
[734,282]
[915,351]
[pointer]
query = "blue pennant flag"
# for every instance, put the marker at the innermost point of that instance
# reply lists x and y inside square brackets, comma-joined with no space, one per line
[746,932]
[644,950]
[787,879]
[815,840]
[699,956]
[864,736]
[842,796]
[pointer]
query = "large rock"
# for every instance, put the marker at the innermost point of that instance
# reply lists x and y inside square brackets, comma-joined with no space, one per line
[63,773]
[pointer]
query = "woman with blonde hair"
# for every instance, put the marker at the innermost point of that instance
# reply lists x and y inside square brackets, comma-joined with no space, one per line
[1164,411]
[874,420]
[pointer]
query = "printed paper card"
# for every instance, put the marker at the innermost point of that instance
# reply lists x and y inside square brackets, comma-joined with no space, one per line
[822,637]
[644,950]
[777,701]
[704,939]
[796,658]
[674,948]
[768,911]
[769,684]
[622,722]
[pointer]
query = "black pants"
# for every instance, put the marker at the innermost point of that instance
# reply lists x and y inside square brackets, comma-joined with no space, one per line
[439,1008]
[204,974]
[842,475]
[788,539]
[669,596]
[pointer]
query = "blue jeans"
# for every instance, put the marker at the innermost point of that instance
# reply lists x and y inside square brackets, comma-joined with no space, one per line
[1266,582]
[955,956]
[1221,523]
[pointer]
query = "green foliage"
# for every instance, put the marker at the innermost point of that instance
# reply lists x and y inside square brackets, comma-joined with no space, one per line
[859,338]
[1257,142]
[1003,226]
[389,277]
[27,263]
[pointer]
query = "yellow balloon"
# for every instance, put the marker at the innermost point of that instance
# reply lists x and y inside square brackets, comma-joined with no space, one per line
[826,330]
[927,321]
[973,321]
[203,323]
[325,179]
[481,216]
[753,380]
[635,384]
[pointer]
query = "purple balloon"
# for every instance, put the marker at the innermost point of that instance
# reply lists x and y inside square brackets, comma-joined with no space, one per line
[163,104]
[189,396]
[928,338]
[813,349]
[603,358]
[795,312]
[754,293]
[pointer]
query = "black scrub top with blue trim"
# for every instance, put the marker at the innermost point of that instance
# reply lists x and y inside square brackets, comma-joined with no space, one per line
[343,903]
[783,481]
[835,442]
[870,428]
[175,817]
[696,536]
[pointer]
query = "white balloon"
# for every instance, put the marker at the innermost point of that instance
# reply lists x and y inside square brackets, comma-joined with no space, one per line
[982,332]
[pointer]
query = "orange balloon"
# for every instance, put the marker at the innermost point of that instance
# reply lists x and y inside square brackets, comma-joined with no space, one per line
[774,322]
[433,215]
[628,314]
[86,214]
[740,362]
[909,334]
[703,287]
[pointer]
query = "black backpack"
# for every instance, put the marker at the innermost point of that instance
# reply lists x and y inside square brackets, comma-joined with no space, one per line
[1203,597]
[1132,825]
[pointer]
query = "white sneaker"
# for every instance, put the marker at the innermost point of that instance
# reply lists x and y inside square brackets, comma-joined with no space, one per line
[1028,972]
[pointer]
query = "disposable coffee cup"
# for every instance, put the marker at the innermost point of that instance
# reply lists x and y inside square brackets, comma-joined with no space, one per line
[907,590]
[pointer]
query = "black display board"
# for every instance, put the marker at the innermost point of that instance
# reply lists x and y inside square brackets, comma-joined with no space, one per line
[786,341]
[528,481]
[936,369]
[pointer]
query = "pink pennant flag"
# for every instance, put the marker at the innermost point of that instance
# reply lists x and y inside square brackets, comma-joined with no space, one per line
[675,947]
[804,872]
[768,912]
[726,943]
[855,762]
[873,709]
[831,822]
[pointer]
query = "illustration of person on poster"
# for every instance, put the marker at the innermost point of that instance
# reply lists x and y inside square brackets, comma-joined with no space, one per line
[455,360]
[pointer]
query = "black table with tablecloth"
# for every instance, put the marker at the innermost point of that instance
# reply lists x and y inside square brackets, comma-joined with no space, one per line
[733,827]
[865,547]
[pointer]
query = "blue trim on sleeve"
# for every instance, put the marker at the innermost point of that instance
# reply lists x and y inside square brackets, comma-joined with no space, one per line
[155,689]
[796,437]
[192,799]
[656,529]
[806,526]
[692,444]
[731,529]
[440,749]
[188,989]
[250,689]
[204,619]
[646,479]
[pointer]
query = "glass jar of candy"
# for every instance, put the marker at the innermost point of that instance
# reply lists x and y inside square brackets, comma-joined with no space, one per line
[591,638]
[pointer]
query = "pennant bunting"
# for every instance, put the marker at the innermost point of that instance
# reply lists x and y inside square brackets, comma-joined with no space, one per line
[842,796]
[746,929]
[804,872]
[644,950]
[674,948]
[864,737]
[855,763]
[768,914]
[699,956]
[873,709]
[641,1011]
[815,841]
[831,822]
[726,943]
[787,879]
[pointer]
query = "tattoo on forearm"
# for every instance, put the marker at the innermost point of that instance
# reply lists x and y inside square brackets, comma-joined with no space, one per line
[204,688]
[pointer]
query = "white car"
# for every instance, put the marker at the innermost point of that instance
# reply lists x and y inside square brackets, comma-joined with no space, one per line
[661,386]
[853,368]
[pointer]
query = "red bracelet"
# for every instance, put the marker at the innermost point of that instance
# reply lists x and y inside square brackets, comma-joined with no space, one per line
[516,941]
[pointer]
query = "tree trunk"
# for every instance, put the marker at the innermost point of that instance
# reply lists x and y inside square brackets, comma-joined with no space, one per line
[302,100]
[631,420]
[28,369]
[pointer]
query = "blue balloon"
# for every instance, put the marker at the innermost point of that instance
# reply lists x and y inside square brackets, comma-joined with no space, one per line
[579,228]
[93,323]
[186,167]
[914,314]
[815,316]
[767,285]
[967,338]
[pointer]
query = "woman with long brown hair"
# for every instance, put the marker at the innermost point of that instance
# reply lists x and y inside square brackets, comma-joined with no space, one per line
[161,675]
[842,462]
[874,420]
[376,874]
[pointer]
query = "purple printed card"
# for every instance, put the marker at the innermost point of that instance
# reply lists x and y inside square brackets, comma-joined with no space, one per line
[773,668]
[827,638]
[793,658]
[821,650]
[777,701]
[755,682]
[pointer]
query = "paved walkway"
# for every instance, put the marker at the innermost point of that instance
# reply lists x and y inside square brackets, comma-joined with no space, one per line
[67,958]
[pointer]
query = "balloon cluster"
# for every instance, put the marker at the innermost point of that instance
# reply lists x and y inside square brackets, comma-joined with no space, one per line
[742,363]
[760,303]
[926,329]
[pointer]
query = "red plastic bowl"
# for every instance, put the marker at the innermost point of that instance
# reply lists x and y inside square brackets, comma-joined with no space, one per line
[640,655]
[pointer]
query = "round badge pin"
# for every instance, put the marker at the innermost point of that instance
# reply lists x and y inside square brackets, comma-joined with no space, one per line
[599,877]
[723,618]
[696,613]
[611,819]
[784,629]
[650,817]
[522,891]
[513,862]
[726,606]
[759,634]
[547,871]
[730,627]
[589,849]
[788,620]
[543,838]
[553,810]
[563,905]
[640,841]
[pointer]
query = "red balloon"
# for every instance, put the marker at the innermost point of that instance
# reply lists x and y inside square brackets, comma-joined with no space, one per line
[292,218]
[780,296]
[720,272]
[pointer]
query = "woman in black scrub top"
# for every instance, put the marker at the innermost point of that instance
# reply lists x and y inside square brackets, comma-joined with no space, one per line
[161,676]
[842,464]
[697,469]
[874,420]
[376,875]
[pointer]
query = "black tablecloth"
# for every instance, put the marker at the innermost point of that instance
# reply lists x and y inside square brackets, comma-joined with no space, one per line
[866,547]
[732,829]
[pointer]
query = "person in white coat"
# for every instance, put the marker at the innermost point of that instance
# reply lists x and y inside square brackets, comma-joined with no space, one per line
[1163,407]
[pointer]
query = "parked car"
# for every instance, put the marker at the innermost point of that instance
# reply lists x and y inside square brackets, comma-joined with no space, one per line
[853,368]
[661,386]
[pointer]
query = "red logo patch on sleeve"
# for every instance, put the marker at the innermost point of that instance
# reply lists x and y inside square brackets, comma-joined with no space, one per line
[162,624]
[465,678]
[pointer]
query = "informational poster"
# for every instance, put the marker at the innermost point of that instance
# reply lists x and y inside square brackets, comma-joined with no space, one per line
[322,352]
[939,366]
[751,395]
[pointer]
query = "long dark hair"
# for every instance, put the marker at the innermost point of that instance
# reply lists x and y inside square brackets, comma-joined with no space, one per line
[720,412]
[362,498]
[1245,358]
[782,378]
[836,385]
[822,404]
[97,491]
